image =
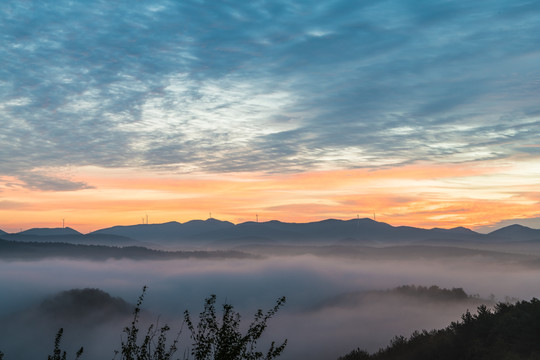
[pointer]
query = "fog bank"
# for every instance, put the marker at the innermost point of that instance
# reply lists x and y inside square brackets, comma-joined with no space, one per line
[315,327]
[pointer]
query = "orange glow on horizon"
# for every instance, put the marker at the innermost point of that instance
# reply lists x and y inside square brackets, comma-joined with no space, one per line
[419,195]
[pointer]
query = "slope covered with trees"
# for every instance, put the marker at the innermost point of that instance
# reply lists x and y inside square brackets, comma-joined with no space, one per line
[18,250]
[509,331]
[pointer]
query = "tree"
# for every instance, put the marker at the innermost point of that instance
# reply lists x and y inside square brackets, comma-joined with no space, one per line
[213,339]
[149,349]
[358,354]
[58,354]
[223,340]
[510,331]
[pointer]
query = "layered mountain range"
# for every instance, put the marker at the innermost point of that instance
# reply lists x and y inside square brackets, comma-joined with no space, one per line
[224,234]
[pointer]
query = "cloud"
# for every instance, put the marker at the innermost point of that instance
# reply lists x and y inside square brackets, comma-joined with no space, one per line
[14,205]
[219,87]
[50,183]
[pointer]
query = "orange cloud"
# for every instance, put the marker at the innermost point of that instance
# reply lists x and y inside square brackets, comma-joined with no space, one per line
[417,195]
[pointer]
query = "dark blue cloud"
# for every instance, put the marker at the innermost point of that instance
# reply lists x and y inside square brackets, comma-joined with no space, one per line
[279,86]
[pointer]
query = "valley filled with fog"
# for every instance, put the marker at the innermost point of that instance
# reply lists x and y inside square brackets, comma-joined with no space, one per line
[339,297]
[246,149]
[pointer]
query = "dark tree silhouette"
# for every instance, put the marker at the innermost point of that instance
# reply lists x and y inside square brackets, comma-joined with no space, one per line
[58,353]
[222,340]
[509,331]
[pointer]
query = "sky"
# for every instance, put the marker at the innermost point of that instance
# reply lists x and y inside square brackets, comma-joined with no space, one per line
[421,113]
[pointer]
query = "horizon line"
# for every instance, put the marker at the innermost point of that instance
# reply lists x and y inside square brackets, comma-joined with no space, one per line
[268,221]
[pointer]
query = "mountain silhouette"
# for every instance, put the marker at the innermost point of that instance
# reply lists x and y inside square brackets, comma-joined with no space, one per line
[50,231]
[71,238]
[216,233]
[516,233]
[166,232]
[222,232]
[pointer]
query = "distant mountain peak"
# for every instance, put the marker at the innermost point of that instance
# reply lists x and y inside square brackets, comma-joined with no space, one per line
[513,228]
[214,220]
[457,229]
[517,226]
[50,231]
[517,232]
[460,228]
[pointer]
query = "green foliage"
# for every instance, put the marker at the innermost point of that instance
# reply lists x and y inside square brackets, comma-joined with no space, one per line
[222,339]
[213,339]
[432,292]
[58,354]
[150,348]
[509,331]
[358,354]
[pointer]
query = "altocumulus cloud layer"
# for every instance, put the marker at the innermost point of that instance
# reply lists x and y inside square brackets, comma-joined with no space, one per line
[251,86]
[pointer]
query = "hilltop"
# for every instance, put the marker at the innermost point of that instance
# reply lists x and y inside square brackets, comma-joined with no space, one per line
[213,233]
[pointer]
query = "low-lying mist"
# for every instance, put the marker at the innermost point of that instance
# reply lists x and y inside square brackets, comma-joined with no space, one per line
[317,324]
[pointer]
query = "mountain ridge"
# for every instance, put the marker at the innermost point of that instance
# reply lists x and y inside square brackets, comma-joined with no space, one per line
[212,231]
[50,231]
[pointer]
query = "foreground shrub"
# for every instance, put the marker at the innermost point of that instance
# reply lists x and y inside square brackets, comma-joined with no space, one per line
[58,354]
[213,339]
[150,348]
[223,340]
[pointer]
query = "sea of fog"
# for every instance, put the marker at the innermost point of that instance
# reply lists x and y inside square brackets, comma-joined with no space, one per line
[315,324]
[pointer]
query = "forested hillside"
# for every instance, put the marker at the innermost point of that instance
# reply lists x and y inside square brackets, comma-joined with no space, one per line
[509,331]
